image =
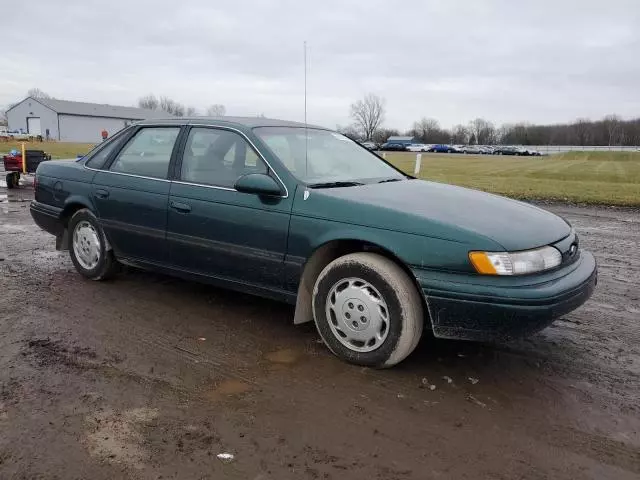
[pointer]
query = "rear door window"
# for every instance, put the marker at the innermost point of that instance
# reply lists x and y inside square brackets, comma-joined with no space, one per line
[148,153]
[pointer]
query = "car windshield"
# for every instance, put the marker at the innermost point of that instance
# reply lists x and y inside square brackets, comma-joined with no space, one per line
[329,157]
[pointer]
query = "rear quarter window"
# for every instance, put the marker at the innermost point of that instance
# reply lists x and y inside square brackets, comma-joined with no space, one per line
[98,157]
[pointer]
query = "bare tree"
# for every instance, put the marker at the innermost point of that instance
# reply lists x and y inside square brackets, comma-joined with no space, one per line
[368,114]
[191,111]
[482,131]
[382,134]
[150,102]
[216,110]
[581,130]
[349,131]
[3,117]
[426,129]
[37,93]
[460,134]
[612,124]
[172,107]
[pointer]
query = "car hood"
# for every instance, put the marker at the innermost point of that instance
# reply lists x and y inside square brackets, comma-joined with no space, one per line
[438,210]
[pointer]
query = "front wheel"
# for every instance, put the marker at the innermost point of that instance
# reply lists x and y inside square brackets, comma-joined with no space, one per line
[88,247]
[367,310]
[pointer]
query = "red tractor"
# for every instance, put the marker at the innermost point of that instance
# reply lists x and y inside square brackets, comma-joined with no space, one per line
[13,164]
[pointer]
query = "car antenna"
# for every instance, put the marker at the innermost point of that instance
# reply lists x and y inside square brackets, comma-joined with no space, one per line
[306,133]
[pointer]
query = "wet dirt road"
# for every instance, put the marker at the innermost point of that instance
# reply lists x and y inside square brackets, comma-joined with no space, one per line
[152,377]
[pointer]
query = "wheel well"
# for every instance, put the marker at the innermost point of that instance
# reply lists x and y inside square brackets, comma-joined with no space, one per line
[62,241]
[68,212]
[326,254]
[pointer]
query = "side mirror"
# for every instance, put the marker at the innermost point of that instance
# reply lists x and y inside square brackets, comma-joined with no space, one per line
[258,183]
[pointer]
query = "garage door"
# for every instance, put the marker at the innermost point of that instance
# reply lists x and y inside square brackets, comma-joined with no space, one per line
[33,126]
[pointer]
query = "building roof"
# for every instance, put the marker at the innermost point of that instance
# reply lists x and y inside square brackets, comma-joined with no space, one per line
[99,110]
[390,139]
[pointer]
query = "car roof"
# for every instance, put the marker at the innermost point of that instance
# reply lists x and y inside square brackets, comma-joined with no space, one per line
[247,122]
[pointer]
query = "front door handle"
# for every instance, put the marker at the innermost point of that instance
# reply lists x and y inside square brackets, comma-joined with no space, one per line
[101,193]
[180,207]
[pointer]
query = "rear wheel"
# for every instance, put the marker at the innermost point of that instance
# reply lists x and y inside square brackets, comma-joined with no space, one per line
[88,247]
[367,310]
[12,179]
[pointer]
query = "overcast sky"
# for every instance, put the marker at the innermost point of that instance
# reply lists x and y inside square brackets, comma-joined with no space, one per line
[454,60]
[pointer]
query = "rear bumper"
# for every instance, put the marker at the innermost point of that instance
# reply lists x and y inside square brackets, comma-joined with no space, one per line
[472,307]
[47,217]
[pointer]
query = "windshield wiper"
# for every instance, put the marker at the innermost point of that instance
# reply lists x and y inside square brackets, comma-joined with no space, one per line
[334,184]
[395,179]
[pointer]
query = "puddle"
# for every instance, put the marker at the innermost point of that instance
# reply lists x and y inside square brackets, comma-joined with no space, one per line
[6,200]
[285,356]
[228,388]
[232,387]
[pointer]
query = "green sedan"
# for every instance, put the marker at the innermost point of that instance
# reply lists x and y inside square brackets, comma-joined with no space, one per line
[304,215]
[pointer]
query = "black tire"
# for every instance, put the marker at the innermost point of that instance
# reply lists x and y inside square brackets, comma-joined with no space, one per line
[9,180]
[107,264]
[404,304]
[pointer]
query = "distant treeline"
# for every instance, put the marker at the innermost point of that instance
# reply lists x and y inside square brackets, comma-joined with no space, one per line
[611,130]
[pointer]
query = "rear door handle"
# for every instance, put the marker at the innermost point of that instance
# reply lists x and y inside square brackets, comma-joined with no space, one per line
[101,193]
[180,207]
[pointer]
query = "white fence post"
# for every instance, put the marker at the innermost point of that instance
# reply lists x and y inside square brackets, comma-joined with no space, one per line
[416,170]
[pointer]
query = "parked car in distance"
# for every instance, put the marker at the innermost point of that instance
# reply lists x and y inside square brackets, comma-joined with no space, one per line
[486,150]
[441,148]
[471,149]
[507,150]
[419,147]
[394,147]
[304,215]
[532,152]
[369,145]
[18,135]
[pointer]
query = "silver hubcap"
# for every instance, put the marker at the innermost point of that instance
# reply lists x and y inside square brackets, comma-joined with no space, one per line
[358,315]
[86,245]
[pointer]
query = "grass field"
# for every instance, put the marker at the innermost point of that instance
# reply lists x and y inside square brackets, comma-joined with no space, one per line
[609,178]
[56,149]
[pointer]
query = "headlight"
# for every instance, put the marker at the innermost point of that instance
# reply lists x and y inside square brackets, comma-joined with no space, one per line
[515,263]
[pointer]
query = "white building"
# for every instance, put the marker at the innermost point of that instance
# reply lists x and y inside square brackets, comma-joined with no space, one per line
[73,121]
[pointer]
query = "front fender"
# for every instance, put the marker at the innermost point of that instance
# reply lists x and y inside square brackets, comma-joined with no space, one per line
[307,234]
[314,242]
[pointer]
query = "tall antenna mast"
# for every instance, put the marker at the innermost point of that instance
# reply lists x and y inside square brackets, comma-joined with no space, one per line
[306,136]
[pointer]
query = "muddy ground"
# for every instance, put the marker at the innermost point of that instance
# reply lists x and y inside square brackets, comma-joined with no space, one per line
[151,377]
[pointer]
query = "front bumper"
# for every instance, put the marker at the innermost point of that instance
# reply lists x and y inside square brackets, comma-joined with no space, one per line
[489,308]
